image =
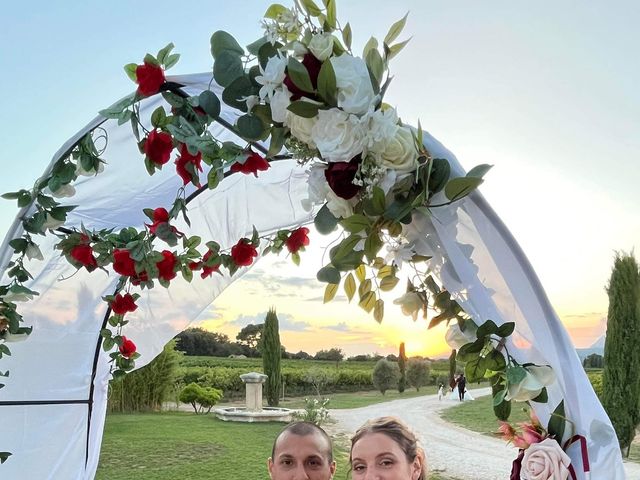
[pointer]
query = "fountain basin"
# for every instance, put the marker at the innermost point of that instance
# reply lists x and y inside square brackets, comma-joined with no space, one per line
[243,414]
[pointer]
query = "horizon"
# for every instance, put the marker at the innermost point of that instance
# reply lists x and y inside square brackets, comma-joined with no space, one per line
[545,94]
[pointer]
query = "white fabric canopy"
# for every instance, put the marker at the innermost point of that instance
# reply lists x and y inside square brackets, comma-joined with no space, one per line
[61,366]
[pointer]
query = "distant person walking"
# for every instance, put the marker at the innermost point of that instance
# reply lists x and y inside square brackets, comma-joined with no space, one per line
[462,384]
[441,391]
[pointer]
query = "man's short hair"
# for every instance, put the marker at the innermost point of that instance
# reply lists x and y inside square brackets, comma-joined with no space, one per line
[302,429]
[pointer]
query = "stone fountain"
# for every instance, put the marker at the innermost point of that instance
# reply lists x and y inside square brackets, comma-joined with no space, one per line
[253,411]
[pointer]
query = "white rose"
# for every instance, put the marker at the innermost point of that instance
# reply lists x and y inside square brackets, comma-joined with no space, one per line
[321,46]
[51,223]
[400,153]
[338,135]
[67,190]
[456,338]
[301,127]
[410,303]
[545,461]
[89,173]
[279,103]
[299,49]
[538,377]
[355,92]
[340,207]
[272,76]
[33,251]
[383,127]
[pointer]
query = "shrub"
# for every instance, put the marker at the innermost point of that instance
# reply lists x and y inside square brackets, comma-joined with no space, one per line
[418,373]
[200,398]
[315,411]
[385,375]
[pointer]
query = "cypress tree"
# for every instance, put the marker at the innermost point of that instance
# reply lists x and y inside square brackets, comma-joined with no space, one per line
[271,355]
[402,359]
[621,378]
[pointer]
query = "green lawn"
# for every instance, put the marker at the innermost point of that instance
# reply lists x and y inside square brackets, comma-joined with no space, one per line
[360,399]
[184,446]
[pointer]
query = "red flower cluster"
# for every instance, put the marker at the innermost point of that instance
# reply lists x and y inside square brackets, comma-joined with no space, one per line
[166,267]
[149,78]
[298,239]
[158,146]
[206,271]
[243,253]
[83,253]
[128,348]
[122,304]
[160,216]
[252,164]
[188,165]
[123,263]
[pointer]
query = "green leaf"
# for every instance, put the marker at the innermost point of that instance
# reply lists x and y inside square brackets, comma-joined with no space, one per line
[395,49]
[372,246]
[221,41]
[375,64]
[330,292]
[4,456]
[347,35]
[325,222]
[210,103]
[543,397]
[158,117]
[460,187]
[250,127]
[372,43]
[495,361]
[395,30]
[376,204]
[331,13]
[265,52]
[227,67]
[171,60]
[399,210]
[254,47]
[368,302]
[345,247]
[164,52]
[389,283]
[470,350]
[479,170]
[277,141]
[299,75]
[274,11]
[328,274]
[130,70]
[19,245]
[304,109]
[233,94]
[557,423]
[506,329]
[327,87]
[213,179]
[516,374]
[474,370]
[350,286]
[311,8]
[487,328]
[355,223]
[498,398]
[440,172]
[378,310]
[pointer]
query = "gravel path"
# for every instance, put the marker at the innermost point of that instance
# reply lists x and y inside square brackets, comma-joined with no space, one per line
[450,450]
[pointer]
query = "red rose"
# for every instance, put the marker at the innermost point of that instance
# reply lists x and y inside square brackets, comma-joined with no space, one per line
[84,254]
[207,271]
[149,78]
[188,165]
[298,239]
[340,177]
[160,216]
[140,278]
[127,348]
[243,253]
[313,66]
[158,147]
[123,304]
[123,263]
[166,266]
[254,163]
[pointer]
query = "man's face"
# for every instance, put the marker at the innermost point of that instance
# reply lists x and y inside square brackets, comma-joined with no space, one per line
[301,458]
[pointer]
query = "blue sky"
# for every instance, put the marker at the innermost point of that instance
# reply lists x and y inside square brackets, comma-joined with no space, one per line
[546,91]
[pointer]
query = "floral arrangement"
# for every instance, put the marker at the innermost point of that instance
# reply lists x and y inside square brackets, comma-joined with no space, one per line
[315,411]
[303,91]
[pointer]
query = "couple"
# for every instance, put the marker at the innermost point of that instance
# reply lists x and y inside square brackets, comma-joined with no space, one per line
[383,448]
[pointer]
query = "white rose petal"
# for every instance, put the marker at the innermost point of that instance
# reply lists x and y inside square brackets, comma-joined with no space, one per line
[51,223]
[301,127]
[338,135]
[400,153]
[456,338]
[67,190]
[538,377]
[279,102]
[382,128]
[340,207]
[545,461]
[89,173]
[321,45]
[299,49]
[272,76]
[33,251]
[251,101]
[355,92]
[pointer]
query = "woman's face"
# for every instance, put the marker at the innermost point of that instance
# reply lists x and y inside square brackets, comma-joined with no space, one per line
[377,457]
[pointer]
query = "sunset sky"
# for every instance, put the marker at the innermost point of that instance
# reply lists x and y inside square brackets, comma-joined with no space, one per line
[546,91]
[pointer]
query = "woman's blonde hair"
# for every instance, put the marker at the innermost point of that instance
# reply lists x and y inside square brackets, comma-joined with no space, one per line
[396,430]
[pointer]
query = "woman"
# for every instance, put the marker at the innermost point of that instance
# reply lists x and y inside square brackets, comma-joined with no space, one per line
[385,449]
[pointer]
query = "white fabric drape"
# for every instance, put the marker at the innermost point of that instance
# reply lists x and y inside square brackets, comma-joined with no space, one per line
[475,256]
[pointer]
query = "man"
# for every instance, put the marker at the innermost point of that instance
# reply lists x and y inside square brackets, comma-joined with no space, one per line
[302,451]
[462,384]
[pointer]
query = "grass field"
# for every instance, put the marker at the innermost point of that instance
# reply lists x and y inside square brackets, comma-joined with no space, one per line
[361,399]
[183,446]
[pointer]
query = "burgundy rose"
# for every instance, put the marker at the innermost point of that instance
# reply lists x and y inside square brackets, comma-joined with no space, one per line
[298,239]
[340,177]
[166,266]
[123,263]
[243,253]
[84,254]
[128,348]
[516,466]
[312,64]
[254,163]
[122,304]
[158,147]
[188,165]
[149,78]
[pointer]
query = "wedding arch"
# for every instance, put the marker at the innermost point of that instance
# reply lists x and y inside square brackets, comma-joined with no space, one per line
[115,249]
